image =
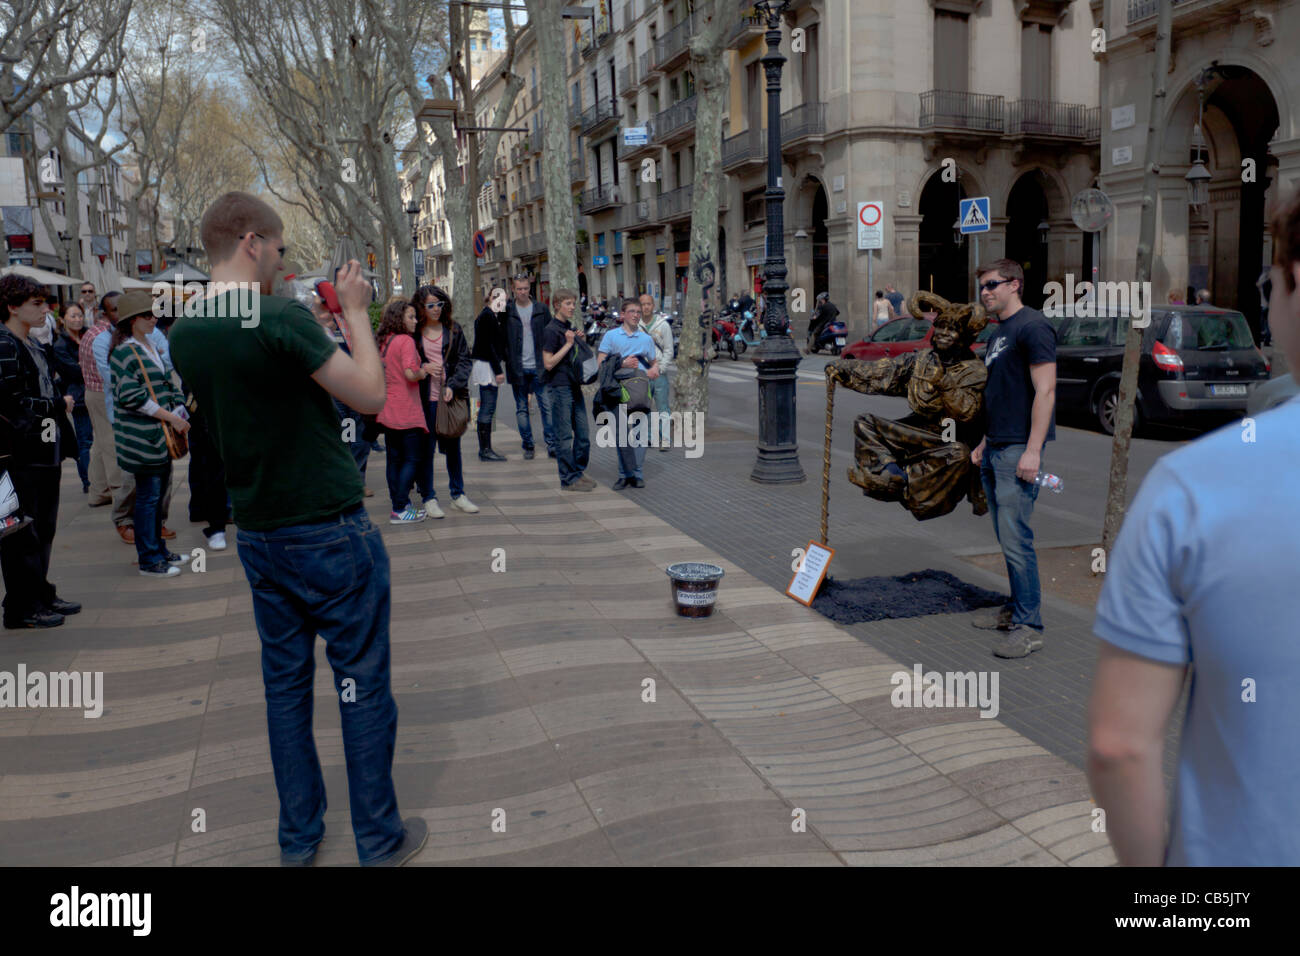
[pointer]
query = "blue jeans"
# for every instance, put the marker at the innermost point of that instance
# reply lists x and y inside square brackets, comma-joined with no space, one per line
[659,391]
[406,449]
[1011,503]
[329,578]
[572,441]
[147,514]
[631,457]
[85,438]
[523,388]
[487,404]
[450,447]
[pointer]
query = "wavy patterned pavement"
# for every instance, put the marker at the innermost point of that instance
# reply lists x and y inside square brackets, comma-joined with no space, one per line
[518,691]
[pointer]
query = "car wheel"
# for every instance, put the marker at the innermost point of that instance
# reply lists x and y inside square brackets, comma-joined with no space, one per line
[1108,409]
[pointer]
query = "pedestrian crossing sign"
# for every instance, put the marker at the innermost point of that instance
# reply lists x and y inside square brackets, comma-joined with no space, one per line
[974,214]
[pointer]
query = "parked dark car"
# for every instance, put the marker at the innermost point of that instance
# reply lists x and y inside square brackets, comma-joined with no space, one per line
[906,335]
[1199,366]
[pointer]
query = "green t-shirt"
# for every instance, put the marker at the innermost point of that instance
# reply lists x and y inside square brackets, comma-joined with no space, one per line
[278,432]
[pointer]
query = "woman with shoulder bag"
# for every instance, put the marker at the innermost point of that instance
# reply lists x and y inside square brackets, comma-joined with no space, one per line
[444,390]
[149,426]
[488,373]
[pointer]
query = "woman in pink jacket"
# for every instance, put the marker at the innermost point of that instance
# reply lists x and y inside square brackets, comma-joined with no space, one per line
[402,418]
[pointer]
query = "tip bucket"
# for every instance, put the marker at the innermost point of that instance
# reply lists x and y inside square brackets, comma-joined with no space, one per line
[695,587]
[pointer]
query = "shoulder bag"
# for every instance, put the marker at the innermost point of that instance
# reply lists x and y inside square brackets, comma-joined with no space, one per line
[178,445]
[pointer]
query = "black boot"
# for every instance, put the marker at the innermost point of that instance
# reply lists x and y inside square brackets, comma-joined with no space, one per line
[485,452]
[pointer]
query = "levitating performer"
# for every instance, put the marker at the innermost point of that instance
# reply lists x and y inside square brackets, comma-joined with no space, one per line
[923,460]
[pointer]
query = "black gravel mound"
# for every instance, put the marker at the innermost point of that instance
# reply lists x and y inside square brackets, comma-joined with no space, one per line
[908,595]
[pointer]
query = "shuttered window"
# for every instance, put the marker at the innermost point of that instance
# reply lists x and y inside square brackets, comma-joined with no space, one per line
[1035,62]
[951,51]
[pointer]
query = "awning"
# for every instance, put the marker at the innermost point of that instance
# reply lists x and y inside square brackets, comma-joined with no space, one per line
[40,275]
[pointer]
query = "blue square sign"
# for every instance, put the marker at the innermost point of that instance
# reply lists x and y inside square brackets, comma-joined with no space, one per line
[974,214]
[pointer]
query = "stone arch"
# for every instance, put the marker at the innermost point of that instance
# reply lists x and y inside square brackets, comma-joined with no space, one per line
[1180,116]
[1055,189]
[971,183]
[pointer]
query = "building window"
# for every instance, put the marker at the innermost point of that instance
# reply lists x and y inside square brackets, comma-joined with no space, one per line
[755,204]
[1035,61]
[951,51]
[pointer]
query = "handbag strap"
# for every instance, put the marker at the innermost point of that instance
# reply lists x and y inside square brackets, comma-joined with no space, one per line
[143,371]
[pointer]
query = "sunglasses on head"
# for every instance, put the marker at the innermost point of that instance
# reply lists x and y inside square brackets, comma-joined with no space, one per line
[993,284]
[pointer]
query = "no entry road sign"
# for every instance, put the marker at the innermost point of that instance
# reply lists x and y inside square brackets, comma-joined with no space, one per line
[871,225]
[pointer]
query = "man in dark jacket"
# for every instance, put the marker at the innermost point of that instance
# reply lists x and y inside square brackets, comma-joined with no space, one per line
[35,437]
[822,316]
[525,320]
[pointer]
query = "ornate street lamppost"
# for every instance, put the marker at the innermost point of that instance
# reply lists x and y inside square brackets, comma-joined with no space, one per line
[777,357]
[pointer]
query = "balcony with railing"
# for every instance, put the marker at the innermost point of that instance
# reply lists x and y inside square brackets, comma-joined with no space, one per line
[597,198]
[801,123]
[531,192]
[638,215]
[962,112]
[1046,119]
[600,116]
[438,249]
[748,26]
[743,150]
[676,203]
[627,81]
[646,66]
[676,122]
[1093,133]
[674,46]
[577,170]
[528,245]
[1141,9]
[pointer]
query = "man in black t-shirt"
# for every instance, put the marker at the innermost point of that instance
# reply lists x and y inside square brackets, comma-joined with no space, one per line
[561,377]
[1019,399]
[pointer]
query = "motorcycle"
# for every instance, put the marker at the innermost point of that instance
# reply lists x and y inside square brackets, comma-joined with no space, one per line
[724,337]
[833,335]
[748,334]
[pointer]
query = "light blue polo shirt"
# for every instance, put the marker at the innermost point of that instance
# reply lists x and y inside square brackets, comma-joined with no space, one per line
[618,342]
[1206,572]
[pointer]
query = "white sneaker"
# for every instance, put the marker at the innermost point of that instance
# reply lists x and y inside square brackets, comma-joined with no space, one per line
[465,505]
[432,510]
[218,541]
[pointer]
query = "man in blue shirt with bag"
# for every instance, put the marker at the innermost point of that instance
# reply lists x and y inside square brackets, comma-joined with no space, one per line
[636,350]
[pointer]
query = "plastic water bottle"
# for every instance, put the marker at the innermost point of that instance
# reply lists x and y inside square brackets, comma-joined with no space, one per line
[1050,482]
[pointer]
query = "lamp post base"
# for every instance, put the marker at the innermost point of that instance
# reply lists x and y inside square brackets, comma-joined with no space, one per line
[777,361]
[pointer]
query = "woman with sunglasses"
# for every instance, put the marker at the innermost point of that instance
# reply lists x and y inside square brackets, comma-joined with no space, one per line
[447,365]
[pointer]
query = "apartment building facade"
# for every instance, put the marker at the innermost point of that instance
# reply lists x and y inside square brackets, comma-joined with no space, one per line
[1234,75]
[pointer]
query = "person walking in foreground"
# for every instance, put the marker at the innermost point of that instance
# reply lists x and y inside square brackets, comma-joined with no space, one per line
[562,379]
[31,394]
[315,563]
[445,356]
[144,398]
[1201,581]
[1019,401]
[490,361]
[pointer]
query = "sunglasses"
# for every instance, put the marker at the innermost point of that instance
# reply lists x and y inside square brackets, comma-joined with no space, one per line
[993,284]
[280,249]
[433,304]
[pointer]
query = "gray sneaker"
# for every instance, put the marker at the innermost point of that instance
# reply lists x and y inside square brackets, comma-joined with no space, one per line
[993,619]
[1019,642]
[581,484]
[416,832]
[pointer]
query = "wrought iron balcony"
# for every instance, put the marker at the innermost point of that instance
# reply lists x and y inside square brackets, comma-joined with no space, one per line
[1141,9]
[954,110]
[801,122]
[677,120]
[646,65]
[676,203]
[441,249]
[601,114]
[744,149]
[1046,118]
[674,45]
[528,245]
[749,26]
[1093,134]
[627,80]
[530,192]
[598,197]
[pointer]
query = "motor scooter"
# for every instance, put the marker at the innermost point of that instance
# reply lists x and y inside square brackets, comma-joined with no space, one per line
[832,335]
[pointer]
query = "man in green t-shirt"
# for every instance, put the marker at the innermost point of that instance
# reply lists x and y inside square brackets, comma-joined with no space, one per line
[263,372]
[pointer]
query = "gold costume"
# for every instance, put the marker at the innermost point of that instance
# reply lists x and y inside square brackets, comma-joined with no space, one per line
[944,386]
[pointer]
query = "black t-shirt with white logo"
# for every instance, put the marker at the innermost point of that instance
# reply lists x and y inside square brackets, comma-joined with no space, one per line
[1024,339]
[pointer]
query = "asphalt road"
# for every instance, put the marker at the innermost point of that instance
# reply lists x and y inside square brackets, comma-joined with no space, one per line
[1080,455]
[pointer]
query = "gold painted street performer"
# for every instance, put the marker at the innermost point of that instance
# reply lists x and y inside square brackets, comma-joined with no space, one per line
[923,460]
